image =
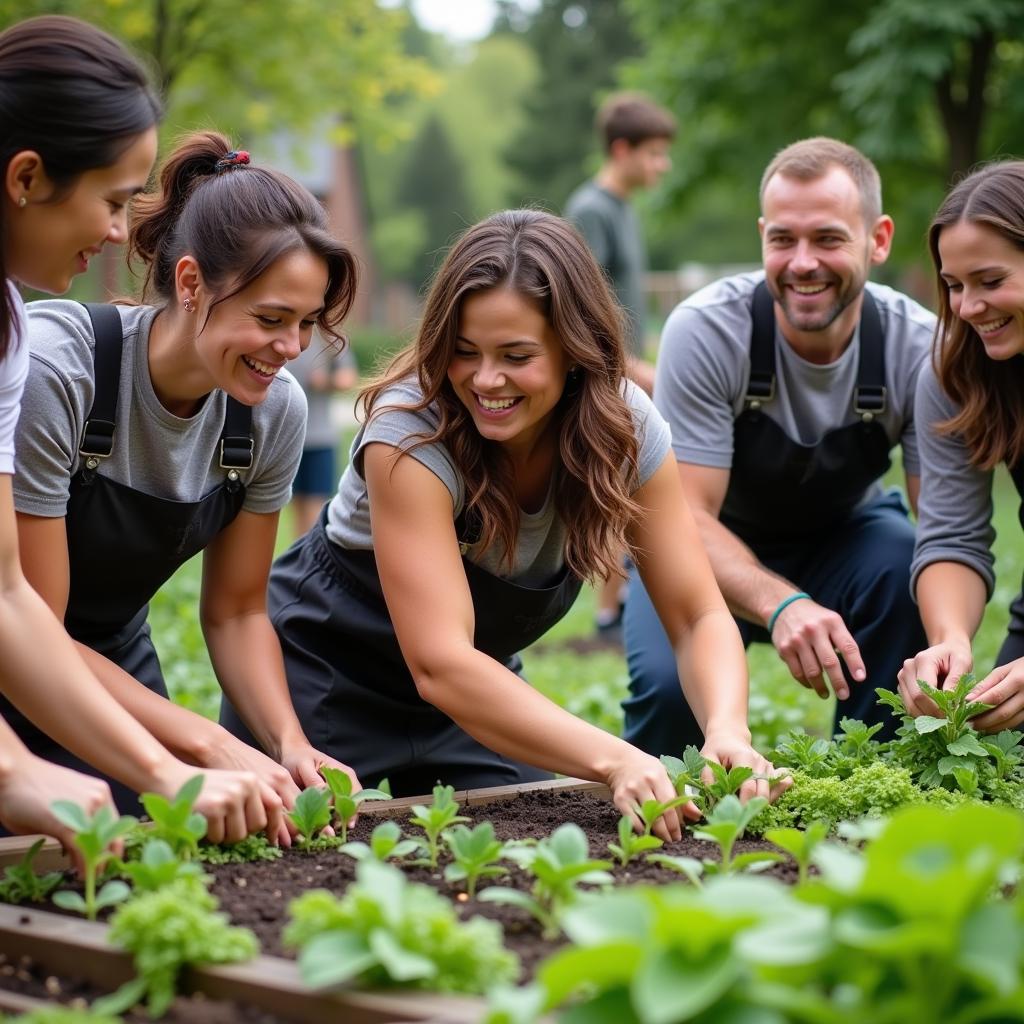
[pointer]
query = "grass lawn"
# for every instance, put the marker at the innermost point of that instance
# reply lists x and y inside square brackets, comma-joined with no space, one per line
[590,685]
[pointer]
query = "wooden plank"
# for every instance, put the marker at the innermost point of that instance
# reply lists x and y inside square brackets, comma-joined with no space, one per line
[12,1002]
[50,858]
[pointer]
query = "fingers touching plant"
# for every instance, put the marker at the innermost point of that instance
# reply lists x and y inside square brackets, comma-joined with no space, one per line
[689,777]
[435,818]
[346,802]
[474,853]
[93,837]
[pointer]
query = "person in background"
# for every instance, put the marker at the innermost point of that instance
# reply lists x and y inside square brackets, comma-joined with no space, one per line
[636,134]
[970,415]
[322,372]
[78,129]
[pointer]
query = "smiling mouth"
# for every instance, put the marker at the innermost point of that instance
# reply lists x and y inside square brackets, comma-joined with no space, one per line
[812,288]
[263,369]
[991,326]
[495,404]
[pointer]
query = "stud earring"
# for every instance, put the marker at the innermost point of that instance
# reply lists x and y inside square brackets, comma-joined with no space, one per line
[23,202]
[189,305]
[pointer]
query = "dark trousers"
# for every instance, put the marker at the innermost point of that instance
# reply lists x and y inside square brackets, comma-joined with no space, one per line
[1013,645]
[861,569]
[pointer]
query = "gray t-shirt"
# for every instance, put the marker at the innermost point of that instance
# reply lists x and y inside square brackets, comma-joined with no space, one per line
[704,369]
[13,370]
[540,552]
[611,229]
[154,451]
[955,508]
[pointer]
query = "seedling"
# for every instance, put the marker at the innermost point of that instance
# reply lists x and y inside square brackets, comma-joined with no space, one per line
[559,865]
[475,853]
[727,823]
[800,844]
[689,867]
[159,867]
[175,822]
[93,836]
[346,803]
[440,815]
[1006,750]
[386,843]
[857,741]
[809,754]
[311,814]
[686,773]
[631,845]
[688,777]
[21,884]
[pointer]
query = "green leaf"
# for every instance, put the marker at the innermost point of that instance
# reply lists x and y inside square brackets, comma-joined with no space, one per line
[70,814]
[610,965]
[928,723]
[66,899]
[671,986]
[967,744]
[400,963]
[335,957]
[112,893]
[189,793]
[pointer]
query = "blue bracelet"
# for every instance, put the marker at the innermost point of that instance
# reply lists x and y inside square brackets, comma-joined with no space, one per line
[783,605]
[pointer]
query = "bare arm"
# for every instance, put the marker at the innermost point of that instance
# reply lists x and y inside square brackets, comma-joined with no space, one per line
[418,558]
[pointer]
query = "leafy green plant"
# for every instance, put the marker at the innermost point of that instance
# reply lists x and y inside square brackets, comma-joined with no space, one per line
[21,884]
[727,823]
[386,843]
[559,865]
[157,867]
[809,754]
[93,837]
[800,844]
[174,821]
[388,931]
[311,814]
[691,868]
[630,844]
[251,848]
[474,853]
[165,931]
[434,819]
[346,803]
[688,777]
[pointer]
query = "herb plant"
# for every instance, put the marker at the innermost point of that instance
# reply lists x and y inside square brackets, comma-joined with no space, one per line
[435,818]
[245,851]
[93,836]
[311,814]
[175,822]
[475,853]
[386,843]
[631,845]
[158,867]
[21,884]
[688,777]
[346,803]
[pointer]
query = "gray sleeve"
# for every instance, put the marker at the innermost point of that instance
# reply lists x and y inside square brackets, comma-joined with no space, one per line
[699,372]
[594,228]
[955,507]
[653,434]
[283,432]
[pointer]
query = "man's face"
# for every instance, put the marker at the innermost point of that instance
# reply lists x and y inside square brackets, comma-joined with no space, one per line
[816,248]
[646,162]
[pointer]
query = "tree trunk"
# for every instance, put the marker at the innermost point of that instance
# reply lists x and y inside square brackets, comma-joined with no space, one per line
[962,107]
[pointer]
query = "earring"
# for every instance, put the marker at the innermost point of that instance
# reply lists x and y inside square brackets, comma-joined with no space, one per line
[189,305]
[23,202]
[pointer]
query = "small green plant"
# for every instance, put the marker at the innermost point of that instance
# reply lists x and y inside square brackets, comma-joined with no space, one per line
[346,803]
[686,773]
[158,867]
[93,837]
[251,848]
[311,814]
[689,867]
[808,754]
[474,853]
[631,845]
[165,931]
[386,843]
[21,884]
[434,819]
[727,823]
[386,930]
[559,865]
[800,844]
[175,822]
[688,777]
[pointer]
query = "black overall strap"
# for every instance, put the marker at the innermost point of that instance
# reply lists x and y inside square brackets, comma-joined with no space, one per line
[236,443]
[869,397]
[98,435]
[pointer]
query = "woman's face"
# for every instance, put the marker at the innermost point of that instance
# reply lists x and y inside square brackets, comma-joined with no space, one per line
[984,275]
[509,367]
[249,337]
[48,242]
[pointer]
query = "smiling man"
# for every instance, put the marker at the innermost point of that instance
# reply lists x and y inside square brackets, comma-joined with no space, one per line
[786,391]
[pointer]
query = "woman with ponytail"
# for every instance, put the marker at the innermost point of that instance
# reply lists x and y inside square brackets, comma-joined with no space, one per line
[77,124]
[505,459]
[152,432]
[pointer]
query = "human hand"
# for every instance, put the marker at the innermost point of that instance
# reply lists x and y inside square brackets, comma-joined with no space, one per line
[1003,688]
[231,754]
[303,763]
[733,750]
[938,665]
[635,777]
[811,639]
[29,789]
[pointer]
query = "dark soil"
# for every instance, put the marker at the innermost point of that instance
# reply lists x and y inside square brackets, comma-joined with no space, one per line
[257,895]
[26,978]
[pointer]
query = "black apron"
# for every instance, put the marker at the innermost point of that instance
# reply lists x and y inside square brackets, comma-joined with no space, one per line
[349,683]
[781,490]
[123,544]
[1013,646]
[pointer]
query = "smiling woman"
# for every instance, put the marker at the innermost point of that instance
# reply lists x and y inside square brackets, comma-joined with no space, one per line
[153,432]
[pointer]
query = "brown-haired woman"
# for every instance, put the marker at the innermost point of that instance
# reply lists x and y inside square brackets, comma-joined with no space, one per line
[504,460]
[970,414]
[152,432]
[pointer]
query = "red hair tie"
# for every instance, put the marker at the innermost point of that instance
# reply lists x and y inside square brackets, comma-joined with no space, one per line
[236,158]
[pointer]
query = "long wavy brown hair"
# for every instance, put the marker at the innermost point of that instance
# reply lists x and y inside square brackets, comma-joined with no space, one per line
[546,261]
[990,394]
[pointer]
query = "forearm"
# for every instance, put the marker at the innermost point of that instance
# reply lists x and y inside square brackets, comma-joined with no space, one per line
[751,591]
[246,656]
[951,598]
[713,668]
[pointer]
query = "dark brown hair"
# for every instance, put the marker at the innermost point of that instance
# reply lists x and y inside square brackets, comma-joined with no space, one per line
[72,94]
[634,117]
[810,159]
[235,221]
[990,394]
[543,259]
